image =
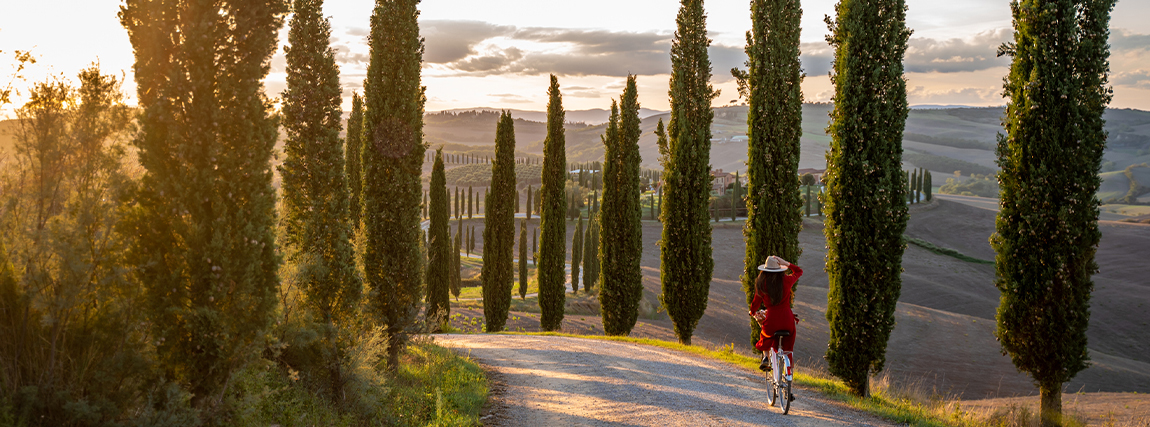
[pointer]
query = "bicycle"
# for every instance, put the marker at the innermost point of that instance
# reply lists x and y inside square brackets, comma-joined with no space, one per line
[781,375]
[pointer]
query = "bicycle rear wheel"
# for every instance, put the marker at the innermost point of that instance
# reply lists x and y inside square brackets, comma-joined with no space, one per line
[772,390]
[785,397]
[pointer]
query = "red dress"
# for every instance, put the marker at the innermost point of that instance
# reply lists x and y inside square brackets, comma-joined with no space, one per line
[779,316]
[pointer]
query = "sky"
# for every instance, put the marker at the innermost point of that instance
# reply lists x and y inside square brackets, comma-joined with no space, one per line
[498,54]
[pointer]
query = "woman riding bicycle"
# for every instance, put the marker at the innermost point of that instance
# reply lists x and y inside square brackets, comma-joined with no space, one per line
[773,293]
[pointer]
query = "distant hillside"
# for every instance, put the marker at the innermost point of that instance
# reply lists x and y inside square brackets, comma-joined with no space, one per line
[964,135]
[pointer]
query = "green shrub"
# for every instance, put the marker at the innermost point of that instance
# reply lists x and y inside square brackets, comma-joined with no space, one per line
[978,185]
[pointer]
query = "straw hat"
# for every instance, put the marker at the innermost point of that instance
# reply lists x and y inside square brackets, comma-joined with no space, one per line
[772,266]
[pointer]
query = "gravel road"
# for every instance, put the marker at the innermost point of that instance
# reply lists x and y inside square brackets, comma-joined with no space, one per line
[561,381]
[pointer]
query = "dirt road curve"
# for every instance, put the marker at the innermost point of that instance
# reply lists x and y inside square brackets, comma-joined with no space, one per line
[560,381]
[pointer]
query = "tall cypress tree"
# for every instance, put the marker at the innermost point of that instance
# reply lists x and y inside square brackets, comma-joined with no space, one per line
[523,259]
[499,230]
[205,220]
[1047,229]
[315,197]
[353,150]
[591,254]
[439,260]
[927,186]
[685,252]
[552,255]
[530,203]
[469,201]
[772,85]
[576,255]
[392,155]
[865,201]
[621,241]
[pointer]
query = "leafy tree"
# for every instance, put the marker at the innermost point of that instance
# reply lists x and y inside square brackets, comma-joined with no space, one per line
[736,197]
[621,241]
[469,202]
[392,155]
[206,208]
[552,256]
[499,232]
[353,150]
[73,347]
[457,264]
[316,210]
[576,255]
[1047,229]
[439,259]
[685,249]
[523,259]
[865,204]
[530,204]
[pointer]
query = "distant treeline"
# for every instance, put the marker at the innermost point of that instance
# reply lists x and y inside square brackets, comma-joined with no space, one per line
[946,164]
[949,142]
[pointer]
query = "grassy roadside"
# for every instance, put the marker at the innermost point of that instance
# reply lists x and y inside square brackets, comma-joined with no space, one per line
[900,406]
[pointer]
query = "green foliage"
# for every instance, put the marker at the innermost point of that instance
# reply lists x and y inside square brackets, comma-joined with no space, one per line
[1047,228]
[499,230]
[523,278]
[439,257]
[392,156]
[315,210]
[621,241]
[927,186]
[866,210]
[457,265]
[204,215]
[552,257]
[590,255]
[576,255]
[977,185]
[74,347]
[772,82]
[353,150]
[530,203]
[947,164]
[685,247]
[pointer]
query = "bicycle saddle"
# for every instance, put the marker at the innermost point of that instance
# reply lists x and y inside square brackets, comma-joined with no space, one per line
[783,333]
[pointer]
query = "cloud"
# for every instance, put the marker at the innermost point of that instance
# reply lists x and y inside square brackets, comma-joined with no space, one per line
[925,55]
[510,98]
[477,48]
[966,95]
[1122,40]
[447,41]
[1138,79]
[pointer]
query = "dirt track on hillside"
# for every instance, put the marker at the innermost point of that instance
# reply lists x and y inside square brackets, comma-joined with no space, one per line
[561,381]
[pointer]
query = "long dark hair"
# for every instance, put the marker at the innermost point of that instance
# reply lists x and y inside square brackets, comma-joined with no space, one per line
[770,284]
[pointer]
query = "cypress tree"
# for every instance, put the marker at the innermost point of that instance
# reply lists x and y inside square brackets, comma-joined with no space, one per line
[928,187]
[469,202]
[552,256]
[621,241]
[354,153]
[439,259]
[457,264]
[316,213]
[736,198]
[471,244]
[576,255]
[914,185]
[499,229]
[1047,229]
[392,155]
[523,259]
[517,207]
[774,120]
[685,252]
[457,203]
[205,219]
[591,254]
[530,204]
[864,185]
